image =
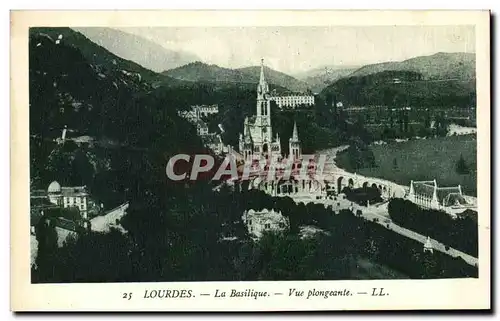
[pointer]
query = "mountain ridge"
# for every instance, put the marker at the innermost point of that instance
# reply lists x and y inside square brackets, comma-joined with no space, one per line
[100,56]
[202,72]
[143,51]
[441,65]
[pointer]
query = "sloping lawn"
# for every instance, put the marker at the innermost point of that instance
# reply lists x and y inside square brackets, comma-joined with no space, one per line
[426,159]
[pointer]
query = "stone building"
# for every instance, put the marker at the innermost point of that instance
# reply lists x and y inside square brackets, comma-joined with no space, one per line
[257,139]
[428,195]
[293,186]
[259,222]
[74,196]
[205,110]
[293,101]
[201,127]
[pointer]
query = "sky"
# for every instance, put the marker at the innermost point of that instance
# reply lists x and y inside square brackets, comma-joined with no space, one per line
[298,49]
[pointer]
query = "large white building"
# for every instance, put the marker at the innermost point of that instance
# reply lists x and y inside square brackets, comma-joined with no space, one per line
[206,110]
[259,222]
[75,196]
[428,195]
[197,111]
[293,101]
[257,138]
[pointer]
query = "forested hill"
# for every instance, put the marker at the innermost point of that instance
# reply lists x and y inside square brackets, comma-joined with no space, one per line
[402,88]
[76,83]
[202,72]
[96,54]
[277,78]
[439,66]
[109,102]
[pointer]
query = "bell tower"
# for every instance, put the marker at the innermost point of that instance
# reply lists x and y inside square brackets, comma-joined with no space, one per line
[294,144]
[263,120]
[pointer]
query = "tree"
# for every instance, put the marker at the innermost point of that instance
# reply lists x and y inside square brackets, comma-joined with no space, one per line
[395,163]
[461,166]
[46,235]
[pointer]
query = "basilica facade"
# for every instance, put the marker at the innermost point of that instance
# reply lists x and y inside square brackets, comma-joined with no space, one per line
[257,139]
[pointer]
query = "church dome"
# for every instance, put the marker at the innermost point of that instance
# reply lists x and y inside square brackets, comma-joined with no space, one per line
[54,187]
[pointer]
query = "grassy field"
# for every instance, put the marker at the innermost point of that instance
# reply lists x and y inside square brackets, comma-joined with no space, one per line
[426,160]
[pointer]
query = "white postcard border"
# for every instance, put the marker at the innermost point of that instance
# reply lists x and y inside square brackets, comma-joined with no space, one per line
[402,294]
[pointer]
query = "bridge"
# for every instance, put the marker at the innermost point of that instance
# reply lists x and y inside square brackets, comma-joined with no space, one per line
[318,181]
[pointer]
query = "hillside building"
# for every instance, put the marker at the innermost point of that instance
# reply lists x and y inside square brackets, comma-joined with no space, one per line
[190,115]
[205,110]
[75,196]
[259,222]
[293,101]
[201,128]
[198,111]
[214,142]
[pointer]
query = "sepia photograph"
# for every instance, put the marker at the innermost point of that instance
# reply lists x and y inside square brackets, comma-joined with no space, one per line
[199,153]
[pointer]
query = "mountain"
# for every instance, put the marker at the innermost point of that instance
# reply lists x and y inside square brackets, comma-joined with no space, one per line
[276,78]
[202,72]
[320,71]
[441,65]
[77,83]
[141,50]
[320,78]
[98,55]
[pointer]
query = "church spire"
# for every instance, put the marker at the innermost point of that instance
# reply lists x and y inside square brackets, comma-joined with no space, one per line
[247,135]
[295,135]
[262,78]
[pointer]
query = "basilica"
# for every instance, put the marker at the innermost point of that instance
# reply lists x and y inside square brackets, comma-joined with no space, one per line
[257,139]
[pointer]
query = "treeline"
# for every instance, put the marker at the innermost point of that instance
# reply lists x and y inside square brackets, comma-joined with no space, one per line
[460,233]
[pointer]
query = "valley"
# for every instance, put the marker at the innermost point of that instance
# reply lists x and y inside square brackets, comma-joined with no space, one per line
[107,125]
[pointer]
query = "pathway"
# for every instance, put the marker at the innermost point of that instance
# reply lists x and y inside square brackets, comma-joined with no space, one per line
[380,212]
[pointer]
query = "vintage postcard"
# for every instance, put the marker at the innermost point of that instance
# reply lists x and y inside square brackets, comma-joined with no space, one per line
[250,160]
